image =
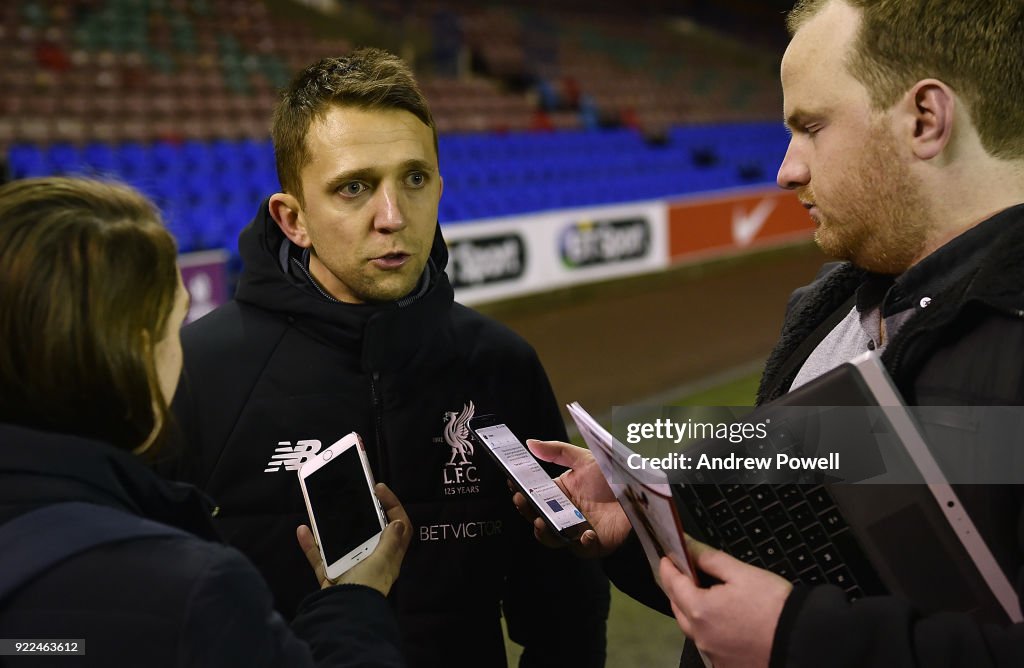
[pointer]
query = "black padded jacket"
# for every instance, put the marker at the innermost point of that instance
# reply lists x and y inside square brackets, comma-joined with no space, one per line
[283,371]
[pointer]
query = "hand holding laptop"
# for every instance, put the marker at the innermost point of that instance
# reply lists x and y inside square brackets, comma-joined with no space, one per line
[732,623]
[584,484]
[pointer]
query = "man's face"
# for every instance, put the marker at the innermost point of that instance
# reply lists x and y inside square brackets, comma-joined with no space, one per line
[844,160]
[371,193]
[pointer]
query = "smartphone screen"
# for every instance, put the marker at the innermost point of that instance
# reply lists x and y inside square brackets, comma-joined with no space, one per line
[342,505]
[531,477]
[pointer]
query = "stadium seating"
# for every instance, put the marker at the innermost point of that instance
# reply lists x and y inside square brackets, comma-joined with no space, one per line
[537,108]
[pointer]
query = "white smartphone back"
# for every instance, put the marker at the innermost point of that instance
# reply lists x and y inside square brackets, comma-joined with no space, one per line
[346,517]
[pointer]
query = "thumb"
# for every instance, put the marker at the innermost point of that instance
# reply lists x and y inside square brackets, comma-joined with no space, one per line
[381,568]
[558,452]
[394,541]
[680,589]
[711,561]
[307,543]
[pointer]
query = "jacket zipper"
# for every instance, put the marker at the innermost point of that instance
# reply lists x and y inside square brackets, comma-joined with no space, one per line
[378,417]
[313,282]
[378,421]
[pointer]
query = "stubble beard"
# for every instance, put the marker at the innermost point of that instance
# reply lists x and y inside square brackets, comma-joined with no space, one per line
[879,219]
[376,288]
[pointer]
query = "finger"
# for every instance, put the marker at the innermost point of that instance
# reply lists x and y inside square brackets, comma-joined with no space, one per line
[668,573]
[389,502]
[558,452]
[543,533]
[589,538]
[393,543]
[540,528]
[694,546]
[307,543]
[682,620]
[523,506]
[399,528]
[589,545]
[713,562]
[679,588]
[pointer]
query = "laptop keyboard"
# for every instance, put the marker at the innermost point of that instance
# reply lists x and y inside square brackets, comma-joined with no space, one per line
[795,531]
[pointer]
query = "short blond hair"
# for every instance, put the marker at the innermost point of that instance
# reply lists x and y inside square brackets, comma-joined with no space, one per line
[367,79]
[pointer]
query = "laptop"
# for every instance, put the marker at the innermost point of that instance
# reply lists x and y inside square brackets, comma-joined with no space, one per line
[886,522]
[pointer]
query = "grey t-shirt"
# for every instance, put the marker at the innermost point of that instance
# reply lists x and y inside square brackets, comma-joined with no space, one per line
[856,333]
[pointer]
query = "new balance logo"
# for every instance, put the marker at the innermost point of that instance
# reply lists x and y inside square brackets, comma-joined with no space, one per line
[292,457]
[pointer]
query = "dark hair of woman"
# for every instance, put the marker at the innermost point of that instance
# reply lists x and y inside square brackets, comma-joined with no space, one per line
[88,278]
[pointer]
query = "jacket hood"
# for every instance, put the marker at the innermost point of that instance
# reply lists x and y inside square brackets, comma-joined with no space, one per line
[39,467]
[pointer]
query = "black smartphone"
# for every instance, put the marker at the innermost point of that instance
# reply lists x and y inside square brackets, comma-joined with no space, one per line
[526,473]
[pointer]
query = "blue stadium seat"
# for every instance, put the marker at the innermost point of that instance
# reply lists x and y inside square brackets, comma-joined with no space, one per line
[99,158]
[208,220]
[256,154]
[226,155]
[197,156]
[262,184]
[133,160]
[26,161]
[64,158]
[176,218]
[166,159]
[450,210]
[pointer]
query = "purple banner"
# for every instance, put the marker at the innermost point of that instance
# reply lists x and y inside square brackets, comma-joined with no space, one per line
[205,275]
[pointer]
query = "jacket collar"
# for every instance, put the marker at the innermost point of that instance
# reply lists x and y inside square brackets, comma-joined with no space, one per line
[993,275]
[998,278]
[62,467]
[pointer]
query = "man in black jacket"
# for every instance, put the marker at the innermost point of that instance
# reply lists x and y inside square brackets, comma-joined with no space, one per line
[908,150]
[344,320]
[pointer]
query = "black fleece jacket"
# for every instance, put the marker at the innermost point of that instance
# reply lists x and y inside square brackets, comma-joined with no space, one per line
[965,348]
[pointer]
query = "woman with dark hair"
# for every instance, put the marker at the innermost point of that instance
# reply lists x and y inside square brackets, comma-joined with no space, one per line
[91,302]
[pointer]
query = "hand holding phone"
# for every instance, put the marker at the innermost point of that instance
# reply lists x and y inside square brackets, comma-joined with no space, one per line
[345,514]
[545,496]
[587,487]
[381,567]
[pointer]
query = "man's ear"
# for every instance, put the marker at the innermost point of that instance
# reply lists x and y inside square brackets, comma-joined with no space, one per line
[931,106]
[286,212]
